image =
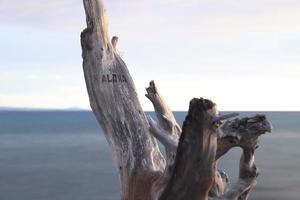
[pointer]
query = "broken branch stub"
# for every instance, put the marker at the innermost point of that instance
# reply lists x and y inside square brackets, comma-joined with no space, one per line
[194,168]
[166,121]
[243,133]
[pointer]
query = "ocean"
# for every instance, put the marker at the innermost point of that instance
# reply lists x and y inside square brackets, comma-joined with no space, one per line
[63,155]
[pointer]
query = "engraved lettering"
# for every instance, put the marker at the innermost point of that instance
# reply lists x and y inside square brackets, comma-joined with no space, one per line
[108,80]
[114,78]
[119,78]
[124,78]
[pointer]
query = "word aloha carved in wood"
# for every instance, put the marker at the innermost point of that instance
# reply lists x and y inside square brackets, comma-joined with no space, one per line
[189,169]
[113,78]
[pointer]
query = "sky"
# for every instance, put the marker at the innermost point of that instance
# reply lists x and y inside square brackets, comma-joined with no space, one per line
[244,55]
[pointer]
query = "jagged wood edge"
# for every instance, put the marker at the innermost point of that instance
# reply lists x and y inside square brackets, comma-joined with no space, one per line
[117,108]
[228,139]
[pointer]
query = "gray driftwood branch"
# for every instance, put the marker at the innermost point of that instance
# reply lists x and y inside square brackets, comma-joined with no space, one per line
[114,101]
[189,170]
[243,132]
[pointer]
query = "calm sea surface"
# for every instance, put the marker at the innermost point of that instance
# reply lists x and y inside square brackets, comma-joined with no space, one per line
[64,156]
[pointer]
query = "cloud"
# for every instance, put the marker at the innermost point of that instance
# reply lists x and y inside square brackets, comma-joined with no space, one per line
[202,18]
[209,20]
[55,15]
[43,86]
[229,92]
[242,46]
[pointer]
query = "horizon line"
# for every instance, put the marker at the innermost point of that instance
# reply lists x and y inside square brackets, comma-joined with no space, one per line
[4,108]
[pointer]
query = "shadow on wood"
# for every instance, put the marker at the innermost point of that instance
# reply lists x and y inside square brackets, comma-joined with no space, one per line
[189,170]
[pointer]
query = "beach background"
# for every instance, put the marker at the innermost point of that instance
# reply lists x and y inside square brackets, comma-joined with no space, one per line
[63,155]
[244,55]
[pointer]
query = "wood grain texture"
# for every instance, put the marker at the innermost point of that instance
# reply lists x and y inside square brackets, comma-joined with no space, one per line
[189,169]
[195,164]
[114,101]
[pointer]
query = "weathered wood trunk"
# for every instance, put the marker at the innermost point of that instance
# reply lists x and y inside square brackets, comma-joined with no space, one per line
[195,163]
[189,170]
[115,103]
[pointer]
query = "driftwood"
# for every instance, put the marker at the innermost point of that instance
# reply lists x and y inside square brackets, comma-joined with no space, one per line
[189,170]
[242,133]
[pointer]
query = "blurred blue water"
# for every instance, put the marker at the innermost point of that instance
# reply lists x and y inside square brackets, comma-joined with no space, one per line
[63,155]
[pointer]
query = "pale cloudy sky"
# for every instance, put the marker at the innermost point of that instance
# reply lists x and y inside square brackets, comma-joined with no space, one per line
[244,55]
